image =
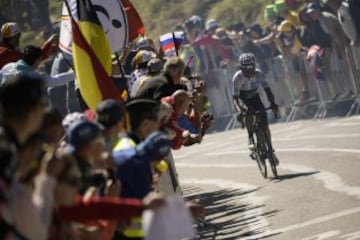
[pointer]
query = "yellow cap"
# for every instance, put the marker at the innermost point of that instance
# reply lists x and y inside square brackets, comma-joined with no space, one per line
[10,29]
[285,26]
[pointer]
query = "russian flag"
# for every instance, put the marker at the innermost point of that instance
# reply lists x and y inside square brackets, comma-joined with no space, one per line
[170,42]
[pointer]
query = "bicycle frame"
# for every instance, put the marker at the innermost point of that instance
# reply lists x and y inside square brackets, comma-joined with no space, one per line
[263,149]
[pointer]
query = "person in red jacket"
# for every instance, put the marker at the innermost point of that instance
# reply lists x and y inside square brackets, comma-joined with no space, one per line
[9,47]
[179,102]
[9,51]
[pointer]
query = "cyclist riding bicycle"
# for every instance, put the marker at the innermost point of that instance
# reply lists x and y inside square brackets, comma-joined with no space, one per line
[246,85]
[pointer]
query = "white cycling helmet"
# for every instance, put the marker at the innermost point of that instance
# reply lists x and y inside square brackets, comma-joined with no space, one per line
[247,59]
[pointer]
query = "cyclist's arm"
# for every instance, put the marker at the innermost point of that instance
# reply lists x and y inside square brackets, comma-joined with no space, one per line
[238,104]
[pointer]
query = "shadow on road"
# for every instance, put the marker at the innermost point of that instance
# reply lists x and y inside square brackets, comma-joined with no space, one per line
[228,218]
[294,175]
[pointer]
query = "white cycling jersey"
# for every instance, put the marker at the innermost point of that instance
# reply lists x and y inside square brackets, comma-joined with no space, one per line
[246,88]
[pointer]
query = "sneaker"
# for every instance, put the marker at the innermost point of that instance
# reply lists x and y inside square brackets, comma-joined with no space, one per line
[251,144]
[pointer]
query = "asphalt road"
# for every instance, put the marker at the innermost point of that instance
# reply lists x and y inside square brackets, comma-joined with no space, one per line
[317,196]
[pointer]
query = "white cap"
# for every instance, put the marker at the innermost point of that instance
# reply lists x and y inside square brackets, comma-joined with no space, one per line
[211,23]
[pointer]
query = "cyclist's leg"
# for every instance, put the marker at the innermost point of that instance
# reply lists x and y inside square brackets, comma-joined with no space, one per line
[249,122]
[249,119]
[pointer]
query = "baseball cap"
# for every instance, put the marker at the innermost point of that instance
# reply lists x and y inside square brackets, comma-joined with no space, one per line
[312,7]
[140,109]
[154,65]
[71,118]
[285,26]
[80,133]
[270,11]
[145,43]
[211,24]
[109,112]
[10,29]
[143,56]
[280,6]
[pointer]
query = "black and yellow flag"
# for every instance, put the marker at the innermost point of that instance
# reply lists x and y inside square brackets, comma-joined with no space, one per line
[91,54]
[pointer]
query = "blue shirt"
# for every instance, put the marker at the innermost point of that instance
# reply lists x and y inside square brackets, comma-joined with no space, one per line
[133,171]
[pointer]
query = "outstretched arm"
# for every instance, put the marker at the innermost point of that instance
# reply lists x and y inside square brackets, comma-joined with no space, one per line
[97,208]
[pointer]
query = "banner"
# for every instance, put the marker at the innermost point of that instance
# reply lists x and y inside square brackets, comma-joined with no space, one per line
[136,26]
[113,19]
[91,53]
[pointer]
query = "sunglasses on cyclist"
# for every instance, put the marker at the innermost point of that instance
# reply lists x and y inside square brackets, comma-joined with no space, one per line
[248,67]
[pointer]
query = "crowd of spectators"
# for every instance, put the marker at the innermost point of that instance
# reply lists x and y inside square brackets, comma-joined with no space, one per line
[292,28]
[89,174]
[68,172]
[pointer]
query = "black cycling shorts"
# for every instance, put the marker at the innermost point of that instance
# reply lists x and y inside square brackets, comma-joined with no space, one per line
[255,104]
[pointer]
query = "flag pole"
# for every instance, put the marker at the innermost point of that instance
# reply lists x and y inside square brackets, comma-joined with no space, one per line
[122,74]
[176,47]
[119,64]
[190,60]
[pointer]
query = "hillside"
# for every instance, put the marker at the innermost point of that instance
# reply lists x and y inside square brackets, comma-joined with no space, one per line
[164,15]
[160,16]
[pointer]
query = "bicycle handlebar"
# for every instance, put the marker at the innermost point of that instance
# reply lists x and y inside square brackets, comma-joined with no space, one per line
[265,109]
[242,116]
[259,111]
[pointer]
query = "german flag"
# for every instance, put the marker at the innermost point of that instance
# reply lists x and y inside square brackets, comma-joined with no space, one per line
[92,56]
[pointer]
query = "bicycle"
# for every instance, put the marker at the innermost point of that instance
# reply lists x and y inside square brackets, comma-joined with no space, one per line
[262,148]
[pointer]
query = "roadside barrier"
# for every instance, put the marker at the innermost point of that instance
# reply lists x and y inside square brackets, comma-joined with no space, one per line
[337,93]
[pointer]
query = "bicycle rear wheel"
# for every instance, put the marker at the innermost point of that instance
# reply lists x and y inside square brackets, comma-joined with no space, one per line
[261,164]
